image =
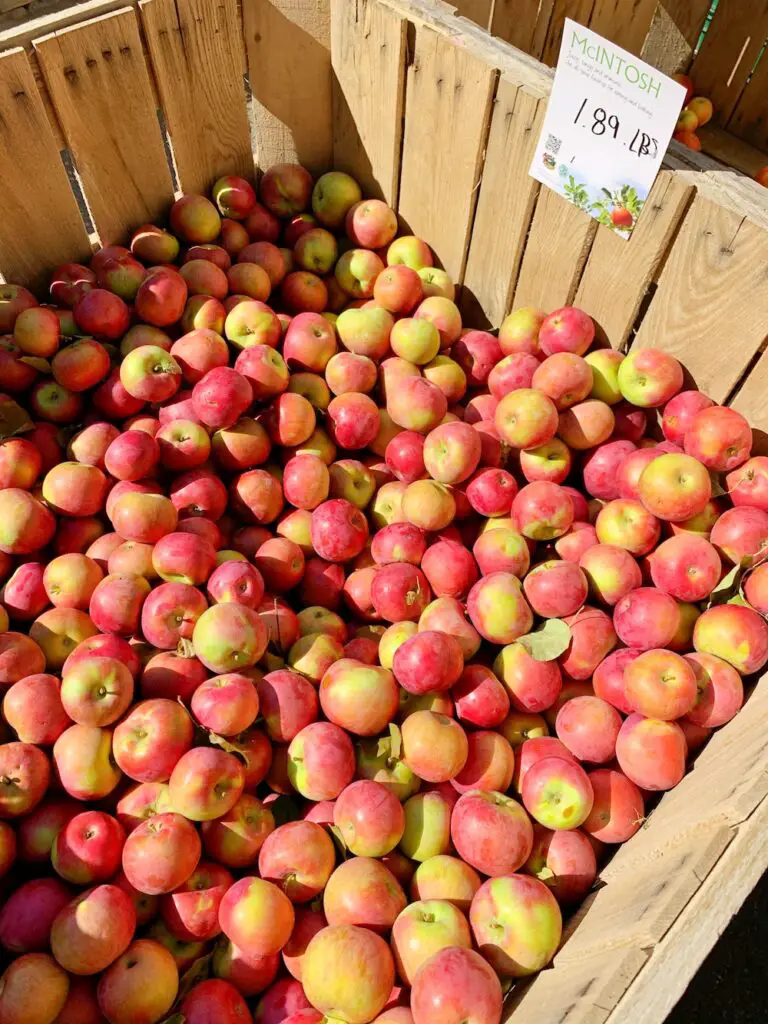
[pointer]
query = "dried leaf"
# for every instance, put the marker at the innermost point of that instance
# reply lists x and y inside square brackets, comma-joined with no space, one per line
[395,740]
[37,363]
[13,419]
[547,642]
[231,746]
[185,648]
[199,971]
[729,586]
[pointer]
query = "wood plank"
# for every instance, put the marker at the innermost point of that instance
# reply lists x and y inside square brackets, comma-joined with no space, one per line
[578,10]
[722,145]
[448,101]
[711,306]
[479,11]
[673,34]
[288,44]
[507,195]
[625,24]
[618,272]
[117,146]
[198,58]
[731,46]
[749,120]
[575,993]
[368,47]
[519,22]
[41,225]
[750,401]
[63,14]
[677,957]
[555,253]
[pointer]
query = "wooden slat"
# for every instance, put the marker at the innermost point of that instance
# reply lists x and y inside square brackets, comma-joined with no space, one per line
[749,120]
[618,272]
[722,145]
[90,70]
[750,401]
[368,53]
[711,307]
[677,957]
[555,254]
[41,225]
[55,18]
[731,46]
[582,993]
[288,45]
[479,11]
[197,54]
[624,24]
[578,10]
[507,196]
[673,34]
[448,100]
[517,22]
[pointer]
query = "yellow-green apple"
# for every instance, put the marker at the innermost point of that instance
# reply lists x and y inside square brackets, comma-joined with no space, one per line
[516,923]
[195,218]
[83,759]
[674,487]
[356,271]
[365,332]
[334,194]
[360,698]
[256,916]
[611,572]
[428,504]
[376,761]
[519,331]
[557,793]
[627,524]
[97,691]
[502,550]
[325,970]
[444,315]
[519,726]
[444,877]
[424,928]
[427,830]
[435,747]
[651,753]
[312,655]
[604,364]
[649,377]
[410,251]
[93,930]
[447,375]
[497,608]
[737,634]
[229,637]
[437,282]
[299,857]
[316,250]
[526,418]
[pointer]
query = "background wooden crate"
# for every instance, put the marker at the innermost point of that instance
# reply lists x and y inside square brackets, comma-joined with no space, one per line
[108,107]
[722,49]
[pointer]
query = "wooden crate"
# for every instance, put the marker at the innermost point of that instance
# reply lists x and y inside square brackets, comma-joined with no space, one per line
[722,50]
[433,114]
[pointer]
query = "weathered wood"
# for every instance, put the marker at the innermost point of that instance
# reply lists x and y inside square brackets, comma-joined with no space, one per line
[731,46]
[749,120]
[673,34]
[618,272]
[625,24]
[368,53]
[555,253]
[100,86]
[41,225]
[197,55]
[578,10]
[288,45]
[66,14]
[518,21]
[750,401]
[479,11]
[722,145]
[680,953]
[711,306]
[447,110]
[507,196]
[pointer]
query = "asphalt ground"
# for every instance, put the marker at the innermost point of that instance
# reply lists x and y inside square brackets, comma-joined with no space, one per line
[730,986]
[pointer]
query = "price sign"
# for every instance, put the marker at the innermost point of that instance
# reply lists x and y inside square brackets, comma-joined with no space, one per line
[608,124]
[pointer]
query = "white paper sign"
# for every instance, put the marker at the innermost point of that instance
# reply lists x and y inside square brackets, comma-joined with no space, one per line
[607,127]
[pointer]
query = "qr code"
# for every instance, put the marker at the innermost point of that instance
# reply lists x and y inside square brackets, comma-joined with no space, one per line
[553,144]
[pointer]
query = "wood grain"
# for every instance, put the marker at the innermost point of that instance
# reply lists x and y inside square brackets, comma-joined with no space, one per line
[197,55]
[750,401]
[479,11]
[618,272]
[288,44]
[41,225]
[578,10]
[749,120]
[557,248]
[673,34]
[711,306]
[625,24]
[507,195]
[448,99]
[368,53]
[731,46]
[519,21]
[99,84]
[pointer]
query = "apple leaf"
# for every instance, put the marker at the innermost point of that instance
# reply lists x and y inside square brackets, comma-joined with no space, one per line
[396,741]
[200,970]
[42,365]
[13,419]
[548,641]
[729,586]
[230,746]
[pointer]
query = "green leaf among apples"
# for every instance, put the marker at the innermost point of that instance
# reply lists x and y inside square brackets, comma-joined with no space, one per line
[547,642]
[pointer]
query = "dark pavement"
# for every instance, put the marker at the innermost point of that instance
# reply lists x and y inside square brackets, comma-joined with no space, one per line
[730,987]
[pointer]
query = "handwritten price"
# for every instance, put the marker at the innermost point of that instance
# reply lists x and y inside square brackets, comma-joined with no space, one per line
[603,123]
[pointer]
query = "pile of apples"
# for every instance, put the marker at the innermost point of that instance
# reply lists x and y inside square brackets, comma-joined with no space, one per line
[340,643]
[697,111]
